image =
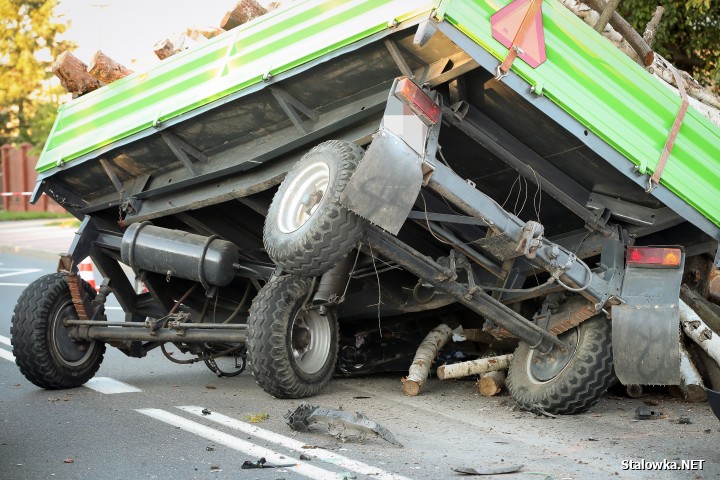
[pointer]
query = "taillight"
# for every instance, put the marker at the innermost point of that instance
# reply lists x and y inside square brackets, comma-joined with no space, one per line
[654,256]
[418,101]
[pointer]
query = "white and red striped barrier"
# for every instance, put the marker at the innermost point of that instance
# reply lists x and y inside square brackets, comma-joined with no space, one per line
[15,194]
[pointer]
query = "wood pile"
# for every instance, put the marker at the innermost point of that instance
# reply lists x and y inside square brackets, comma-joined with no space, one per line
[78,78]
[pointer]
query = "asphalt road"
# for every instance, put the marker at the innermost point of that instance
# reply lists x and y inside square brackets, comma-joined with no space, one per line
[153,426]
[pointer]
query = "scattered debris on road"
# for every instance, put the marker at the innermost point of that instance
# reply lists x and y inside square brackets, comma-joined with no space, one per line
[342,425]
[68,460]
[257,417]
[647,413]
[488,470]
[205,411]
[262,463]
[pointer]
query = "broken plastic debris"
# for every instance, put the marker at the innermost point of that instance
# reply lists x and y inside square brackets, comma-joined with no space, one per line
[647,413]
[262,463]
[342,425]
[488,470]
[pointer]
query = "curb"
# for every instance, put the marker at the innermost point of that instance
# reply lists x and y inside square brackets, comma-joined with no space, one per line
[30,252]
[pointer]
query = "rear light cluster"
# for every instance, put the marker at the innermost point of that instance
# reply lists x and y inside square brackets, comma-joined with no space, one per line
[420,103]
[654,256]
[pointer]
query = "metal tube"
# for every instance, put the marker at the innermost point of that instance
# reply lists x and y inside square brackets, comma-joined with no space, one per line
[473,202]
[479,302]
[108,334]
[99,323]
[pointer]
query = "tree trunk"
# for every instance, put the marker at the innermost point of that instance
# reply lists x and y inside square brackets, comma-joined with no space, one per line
[73,75]
[491,383]
[244,11]
[424,358]
[474,367]
[106,69]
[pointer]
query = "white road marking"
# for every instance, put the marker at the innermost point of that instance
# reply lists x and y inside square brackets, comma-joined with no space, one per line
[7,355]
[254,451]
[5,340]
[14,284]
[110,386]
[9,272]
[324,455]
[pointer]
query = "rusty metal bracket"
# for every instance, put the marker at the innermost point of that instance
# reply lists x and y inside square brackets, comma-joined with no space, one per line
[531,237]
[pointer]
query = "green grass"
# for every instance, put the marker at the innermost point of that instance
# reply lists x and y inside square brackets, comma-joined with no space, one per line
[6,216]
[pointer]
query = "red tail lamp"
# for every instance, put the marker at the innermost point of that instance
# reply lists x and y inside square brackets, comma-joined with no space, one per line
[418,101]
[654,256]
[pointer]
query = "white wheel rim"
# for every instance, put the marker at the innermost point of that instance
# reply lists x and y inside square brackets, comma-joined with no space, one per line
[303,196]
[310,341]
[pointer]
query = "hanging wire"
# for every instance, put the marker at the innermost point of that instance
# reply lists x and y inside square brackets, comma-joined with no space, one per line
[372,255]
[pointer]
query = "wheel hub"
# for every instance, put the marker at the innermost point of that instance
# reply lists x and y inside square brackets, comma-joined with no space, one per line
[543,368]
[67,349]
[310,341]
[303,196]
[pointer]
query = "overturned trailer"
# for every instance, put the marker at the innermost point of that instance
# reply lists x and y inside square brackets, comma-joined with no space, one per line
[346,163]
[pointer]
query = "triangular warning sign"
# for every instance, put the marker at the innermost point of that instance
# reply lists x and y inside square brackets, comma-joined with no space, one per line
[506,24]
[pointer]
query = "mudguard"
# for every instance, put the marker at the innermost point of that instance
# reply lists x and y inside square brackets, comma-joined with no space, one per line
[646,329]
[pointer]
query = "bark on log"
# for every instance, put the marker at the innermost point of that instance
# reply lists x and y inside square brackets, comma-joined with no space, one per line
[164,49]
[491,383]
[106,69]
[699,332]
[244,11]
[474,367]
[692,387]
[606,14]
[634,391]
[424,358]
[707,311]
[73,75]
[652,26]
[627,31]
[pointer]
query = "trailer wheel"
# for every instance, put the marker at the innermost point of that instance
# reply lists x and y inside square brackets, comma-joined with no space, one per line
[43,349]
[292,349]
[307,231]
[564,383]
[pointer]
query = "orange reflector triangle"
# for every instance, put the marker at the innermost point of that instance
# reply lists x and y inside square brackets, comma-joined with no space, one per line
[506,24]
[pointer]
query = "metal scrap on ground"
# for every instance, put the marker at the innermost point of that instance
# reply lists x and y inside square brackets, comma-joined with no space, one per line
[342,425]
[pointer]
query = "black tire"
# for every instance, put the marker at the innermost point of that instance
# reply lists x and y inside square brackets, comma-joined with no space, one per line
[278,341]
[42,348]
[567,385]
[310,245]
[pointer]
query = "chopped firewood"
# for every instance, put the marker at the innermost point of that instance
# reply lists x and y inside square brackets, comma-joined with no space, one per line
[710,314]
[491,383]
[634,391]
[106,69]
[170,46]
[424,358]
[644,52]
[73,75]
[699,332]
[205,32]
[692,387]
[474,367]
[244,11]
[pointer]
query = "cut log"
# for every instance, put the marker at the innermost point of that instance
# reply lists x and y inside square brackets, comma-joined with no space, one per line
[175,44]
[491,383]
[474,367]
[205,32]
[606,14]
[706,310]
[244,11]
[424,358]
[106,69]
[634,391]
[73,75]
[692,387]
[699,332]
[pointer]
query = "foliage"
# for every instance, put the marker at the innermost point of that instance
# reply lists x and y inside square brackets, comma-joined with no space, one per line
[689,33]
[28,43]
[6,216]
